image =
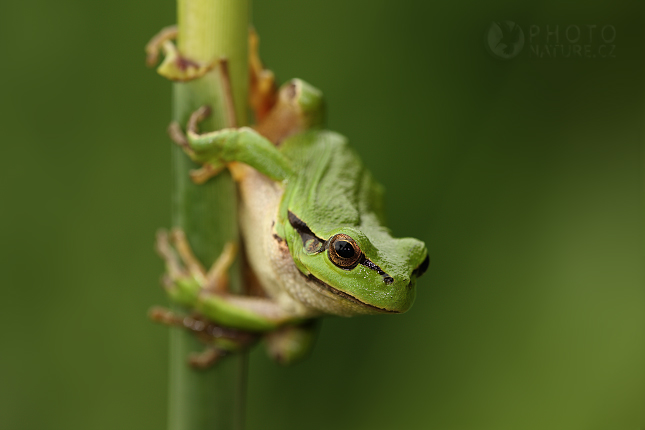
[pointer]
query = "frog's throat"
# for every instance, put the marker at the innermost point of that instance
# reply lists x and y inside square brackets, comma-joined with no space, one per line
[326,286]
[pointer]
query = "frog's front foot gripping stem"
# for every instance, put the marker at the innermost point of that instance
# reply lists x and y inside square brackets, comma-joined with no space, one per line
[188,284]
[208,170]
[184,281]
[174,66]
[186,277]
[216,150]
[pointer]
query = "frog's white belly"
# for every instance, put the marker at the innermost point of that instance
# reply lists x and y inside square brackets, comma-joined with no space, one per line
[269,256]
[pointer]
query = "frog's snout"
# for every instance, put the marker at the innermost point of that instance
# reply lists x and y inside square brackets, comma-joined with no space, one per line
[421,268]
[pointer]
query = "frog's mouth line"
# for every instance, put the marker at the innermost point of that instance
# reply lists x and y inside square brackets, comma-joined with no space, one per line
[344,295]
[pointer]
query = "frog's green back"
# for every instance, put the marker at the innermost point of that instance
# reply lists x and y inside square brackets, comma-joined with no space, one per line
[332,187]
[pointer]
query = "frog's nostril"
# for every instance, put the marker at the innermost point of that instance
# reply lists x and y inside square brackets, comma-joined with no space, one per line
[421,269]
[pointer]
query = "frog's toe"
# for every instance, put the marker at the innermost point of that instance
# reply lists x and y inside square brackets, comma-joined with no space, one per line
[154,45]
[180,243]
[174,66]
[163,247]
[205,359]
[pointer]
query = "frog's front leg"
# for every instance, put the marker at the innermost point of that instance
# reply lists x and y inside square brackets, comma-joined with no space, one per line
[187,283]
[216,149]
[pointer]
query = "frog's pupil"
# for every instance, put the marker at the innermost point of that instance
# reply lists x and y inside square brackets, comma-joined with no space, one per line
[344,249]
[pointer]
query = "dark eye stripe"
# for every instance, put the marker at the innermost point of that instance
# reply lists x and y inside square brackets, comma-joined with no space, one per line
[299,224]
[386,278]
[312,243]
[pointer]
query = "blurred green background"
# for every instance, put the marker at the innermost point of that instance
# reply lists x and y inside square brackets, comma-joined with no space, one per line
[522,175]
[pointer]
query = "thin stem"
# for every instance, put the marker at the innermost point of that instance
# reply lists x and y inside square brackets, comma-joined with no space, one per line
[208,30]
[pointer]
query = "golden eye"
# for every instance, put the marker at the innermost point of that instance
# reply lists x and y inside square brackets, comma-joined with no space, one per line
[344,252]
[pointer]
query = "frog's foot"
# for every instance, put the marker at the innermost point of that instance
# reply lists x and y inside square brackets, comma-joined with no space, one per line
[196,117]
[292,343]
[230,145]
[177,135]
[206,292]
[263,92]
[186,278]
[155,44]
[174,66]
[212,166]
[224,148]
[219,341]
[204,173]
[205,359]
[299,107]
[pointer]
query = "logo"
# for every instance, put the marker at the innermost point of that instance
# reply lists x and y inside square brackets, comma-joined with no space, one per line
[504,39]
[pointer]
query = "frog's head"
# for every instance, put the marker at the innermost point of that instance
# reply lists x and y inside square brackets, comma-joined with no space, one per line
[305,100]
[365,266]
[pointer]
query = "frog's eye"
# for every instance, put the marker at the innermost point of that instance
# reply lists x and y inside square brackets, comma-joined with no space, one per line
[344,252]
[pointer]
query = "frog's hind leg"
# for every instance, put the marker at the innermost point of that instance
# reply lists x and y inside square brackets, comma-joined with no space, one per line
[219,341]
[174,66]
[299,107]
[278,113]
[156,43]
[263,92]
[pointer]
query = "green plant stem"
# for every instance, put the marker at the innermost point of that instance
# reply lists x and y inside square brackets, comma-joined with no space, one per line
[208,30]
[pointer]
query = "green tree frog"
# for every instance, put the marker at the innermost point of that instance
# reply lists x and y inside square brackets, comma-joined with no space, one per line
[311,218]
